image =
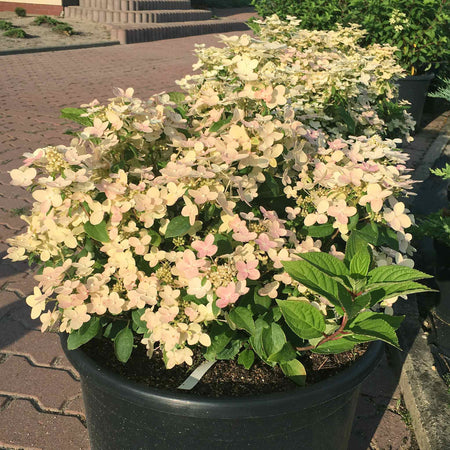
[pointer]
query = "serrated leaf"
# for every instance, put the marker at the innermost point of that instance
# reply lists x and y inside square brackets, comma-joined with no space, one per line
[273,339]
[97,232]
[287,353]
[361,261]
[326,263]
[220,334]
[136,315]
[246,358]
[341,345]
[74,114]
[83,335]
[302,318]
[155,237]
[384,291]
[177,97]
[359,303]
[242,319]
[178,226]
[219,124]
[318,282]
[123,345]
[375,325]
[230,351]
[111,330]
[295,371]
[319,231]
[395,273]
[256,338]
[223,243]
[355,242]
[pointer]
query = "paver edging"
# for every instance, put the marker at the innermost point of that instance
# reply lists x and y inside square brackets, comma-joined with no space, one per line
[57,48]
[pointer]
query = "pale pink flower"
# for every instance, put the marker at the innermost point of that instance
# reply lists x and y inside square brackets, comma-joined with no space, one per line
[396,217]
[247,270]
[202,195]
[190,210]
[23,176]
[265,243]
[198,287]
[96,130]
[206,247]
[341,211]
[375,196]
[227,295]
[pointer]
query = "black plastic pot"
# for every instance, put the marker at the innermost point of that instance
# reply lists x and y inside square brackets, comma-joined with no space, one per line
[122,415]
[415,90]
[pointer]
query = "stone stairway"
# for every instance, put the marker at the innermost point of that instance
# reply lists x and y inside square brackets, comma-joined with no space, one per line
[132,21]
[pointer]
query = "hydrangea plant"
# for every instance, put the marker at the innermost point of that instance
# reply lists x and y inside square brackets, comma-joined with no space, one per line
[240,219]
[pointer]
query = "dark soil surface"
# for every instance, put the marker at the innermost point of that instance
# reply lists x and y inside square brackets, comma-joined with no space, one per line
[226,378]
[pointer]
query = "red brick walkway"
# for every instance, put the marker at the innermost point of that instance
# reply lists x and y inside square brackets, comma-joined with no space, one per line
[40,399]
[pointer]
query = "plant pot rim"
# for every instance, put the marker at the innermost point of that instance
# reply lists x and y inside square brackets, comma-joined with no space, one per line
[198,406]
[428,76]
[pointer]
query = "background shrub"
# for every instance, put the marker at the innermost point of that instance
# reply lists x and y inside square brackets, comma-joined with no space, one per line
[46,20]
[63,28]
[15,33]
[21,12]
[6,25]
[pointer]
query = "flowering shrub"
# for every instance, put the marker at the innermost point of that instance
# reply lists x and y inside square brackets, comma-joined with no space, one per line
[419,29]
[328,81]
[218,220]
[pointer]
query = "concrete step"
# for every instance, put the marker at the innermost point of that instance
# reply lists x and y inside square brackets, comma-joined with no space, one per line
[136,5]
[119,16]
[129,34]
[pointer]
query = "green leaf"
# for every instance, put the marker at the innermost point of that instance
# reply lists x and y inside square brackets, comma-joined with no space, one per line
[295,371]
[97,232]
[242,318]
[123,345]
[381,291]
[341,345]
[273,339]
[361,261]
[178,226]
[155,236]
[318,231]
[326,263]
[139,325]
[287,353]
[360,302]
[318,282]
[395,273]
[220,334]
[355,242]
[376,325]
[302,318]
[87,331]
[230,351]
[219,124]
[246,358]
[111,330]
[177,97]
[223,243]
[270,188]
[74,114]
[262,301]
[256,338]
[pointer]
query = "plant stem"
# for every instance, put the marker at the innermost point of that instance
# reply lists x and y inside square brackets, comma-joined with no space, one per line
[339,333]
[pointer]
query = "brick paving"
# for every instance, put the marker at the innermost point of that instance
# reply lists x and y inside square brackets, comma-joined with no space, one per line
[40,397]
